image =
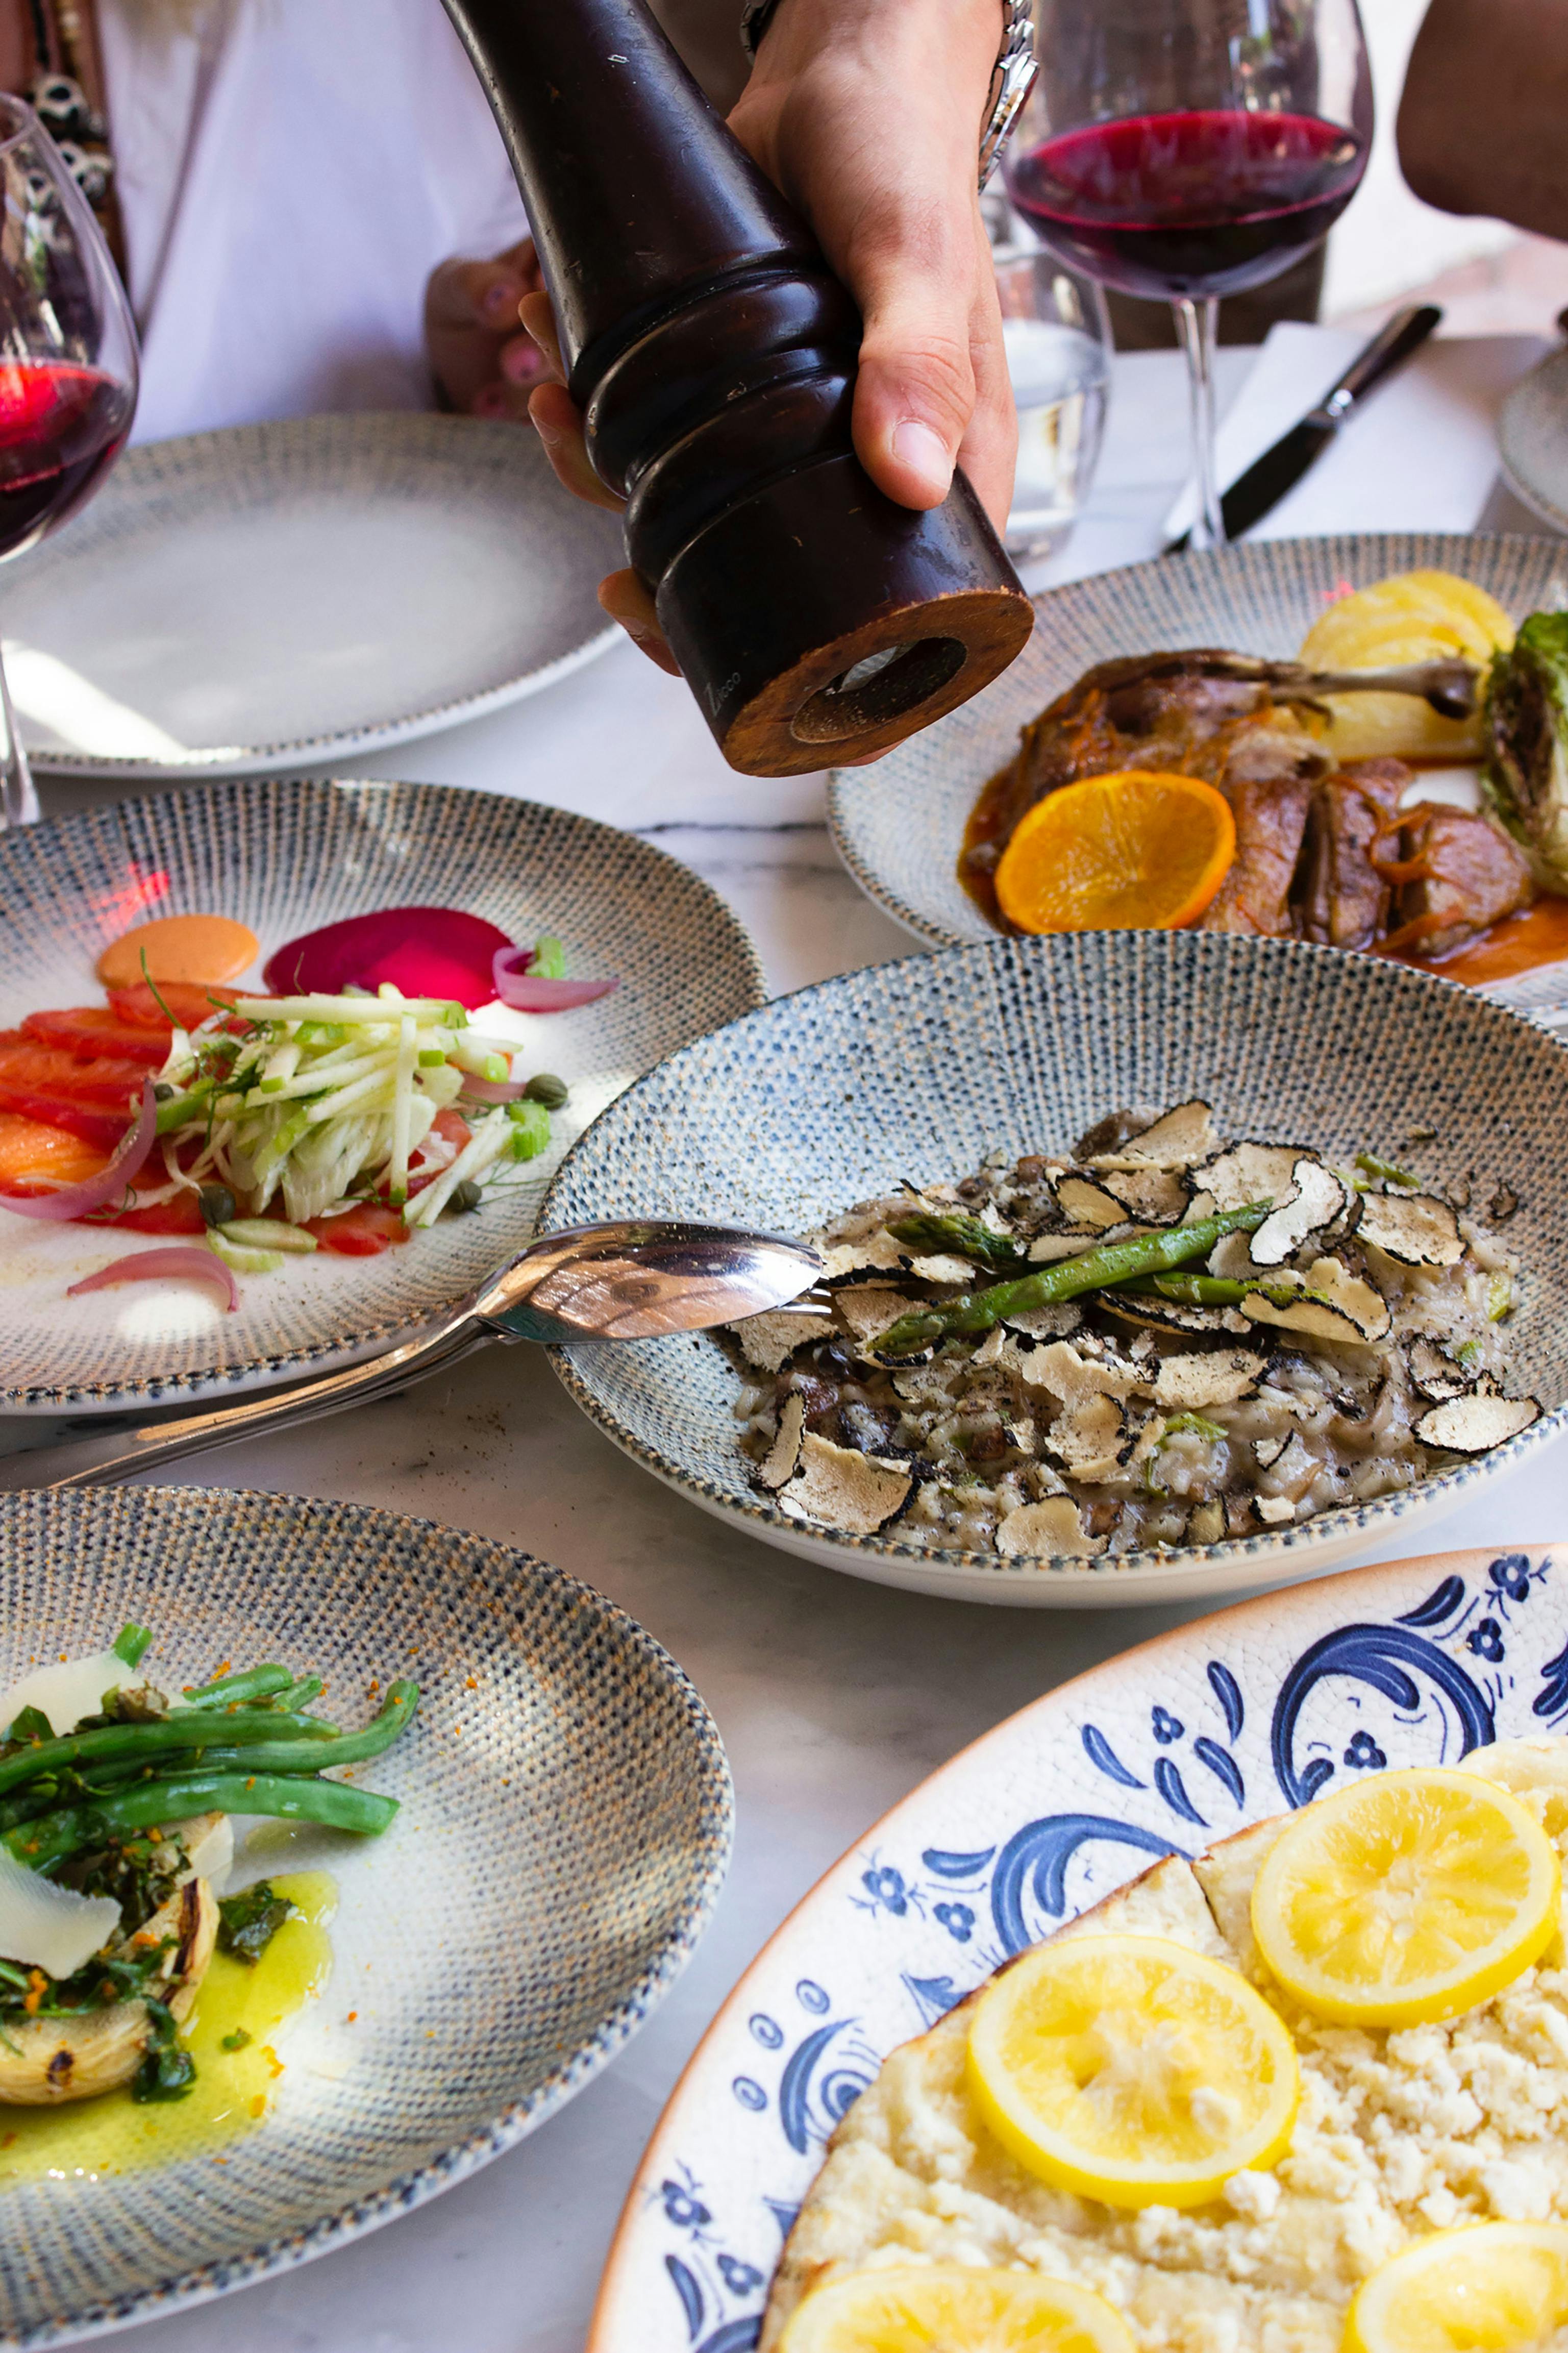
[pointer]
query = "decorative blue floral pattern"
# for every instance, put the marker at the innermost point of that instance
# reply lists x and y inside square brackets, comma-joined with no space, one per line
[1467,1659]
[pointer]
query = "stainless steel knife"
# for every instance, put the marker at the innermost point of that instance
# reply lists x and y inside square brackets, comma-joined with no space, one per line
[1267,480]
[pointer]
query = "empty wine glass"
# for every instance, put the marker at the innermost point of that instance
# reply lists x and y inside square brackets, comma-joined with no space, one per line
[1189,149]
[68,369]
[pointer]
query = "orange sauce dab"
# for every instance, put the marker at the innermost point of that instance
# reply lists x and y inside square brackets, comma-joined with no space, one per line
[1519,944]
[179,947]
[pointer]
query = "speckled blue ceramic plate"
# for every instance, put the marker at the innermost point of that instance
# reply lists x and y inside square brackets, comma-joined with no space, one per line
[280,594]
[564,1828]
[285,856]
[1164,1750]
[899,825]
[918,1069]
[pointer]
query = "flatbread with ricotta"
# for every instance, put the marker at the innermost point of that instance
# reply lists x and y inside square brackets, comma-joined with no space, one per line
[1400,2133]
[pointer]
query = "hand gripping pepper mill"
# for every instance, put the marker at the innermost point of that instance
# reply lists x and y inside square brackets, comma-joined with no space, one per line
[713,355]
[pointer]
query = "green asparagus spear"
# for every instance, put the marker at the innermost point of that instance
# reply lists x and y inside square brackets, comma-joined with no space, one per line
[1068,1278]
[965,1235]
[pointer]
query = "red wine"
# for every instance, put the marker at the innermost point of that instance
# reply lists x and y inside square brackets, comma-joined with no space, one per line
[61,427]
[1198,203]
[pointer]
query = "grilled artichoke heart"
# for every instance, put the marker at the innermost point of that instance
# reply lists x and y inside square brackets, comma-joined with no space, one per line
[52,2060]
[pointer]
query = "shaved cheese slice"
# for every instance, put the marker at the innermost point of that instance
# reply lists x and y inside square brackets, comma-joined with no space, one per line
[67,1692]
[49,1927]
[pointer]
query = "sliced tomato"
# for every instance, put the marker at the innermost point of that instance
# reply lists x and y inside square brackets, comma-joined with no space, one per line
[183,1215]
[93,1100]
[36,1157]
[143,1008]
[364,1232]
[91,1031]
[453,1127]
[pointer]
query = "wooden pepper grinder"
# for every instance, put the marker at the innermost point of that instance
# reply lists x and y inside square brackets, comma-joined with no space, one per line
[713,355]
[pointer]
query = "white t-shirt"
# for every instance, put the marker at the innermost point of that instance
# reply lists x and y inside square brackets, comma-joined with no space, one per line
[290,174]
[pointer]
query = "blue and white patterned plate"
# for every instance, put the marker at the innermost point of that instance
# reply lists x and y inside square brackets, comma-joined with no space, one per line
[1164,1750]
[565,1825]
[899,825]
[284,856]
[277,596]
[916,1069]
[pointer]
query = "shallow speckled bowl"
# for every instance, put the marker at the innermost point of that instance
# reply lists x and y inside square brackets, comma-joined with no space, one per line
[918,1069]
[899,825]
[276,595]
[1165,1750]
[284,856]
[564,1828]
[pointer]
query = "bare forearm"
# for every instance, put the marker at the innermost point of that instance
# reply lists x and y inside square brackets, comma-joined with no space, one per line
[1483,117]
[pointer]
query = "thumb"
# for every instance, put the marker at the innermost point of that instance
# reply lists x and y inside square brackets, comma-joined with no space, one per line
[916,390]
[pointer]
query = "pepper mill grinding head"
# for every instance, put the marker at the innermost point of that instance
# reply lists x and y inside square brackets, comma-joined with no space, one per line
[713,355]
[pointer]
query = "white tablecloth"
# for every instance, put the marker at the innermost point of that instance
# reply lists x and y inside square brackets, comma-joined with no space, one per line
[834,1697]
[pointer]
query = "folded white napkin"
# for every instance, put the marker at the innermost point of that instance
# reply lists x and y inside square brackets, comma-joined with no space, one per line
[1421,455]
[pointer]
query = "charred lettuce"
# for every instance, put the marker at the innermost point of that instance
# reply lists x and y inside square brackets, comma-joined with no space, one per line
[1526,775]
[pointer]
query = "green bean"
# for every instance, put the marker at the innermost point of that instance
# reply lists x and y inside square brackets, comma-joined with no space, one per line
[257,1682]
[967,1236]
[1068,1278]
[299,1696]
[50,1838]
[188,1728]
[316,1756]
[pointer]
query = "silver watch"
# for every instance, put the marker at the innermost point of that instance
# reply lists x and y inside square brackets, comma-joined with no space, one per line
[1012,77]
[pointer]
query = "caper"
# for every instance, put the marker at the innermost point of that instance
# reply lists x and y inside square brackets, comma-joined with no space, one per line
[548,1090]
[219,1206]
[163,1091]
[466,1196]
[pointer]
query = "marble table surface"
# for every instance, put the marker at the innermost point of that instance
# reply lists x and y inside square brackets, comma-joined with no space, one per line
[834,1697]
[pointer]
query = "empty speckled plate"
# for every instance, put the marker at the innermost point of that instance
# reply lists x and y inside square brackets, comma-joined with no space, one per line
[917,1070]
[1533,439]
[1167,1750]
[285,856]
[280,594]
[565,1826]
[899,825]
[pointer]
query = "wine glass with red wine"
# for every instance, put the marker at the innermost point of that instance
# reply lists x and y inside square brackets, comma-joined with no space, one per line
[1187,149]
[68,368]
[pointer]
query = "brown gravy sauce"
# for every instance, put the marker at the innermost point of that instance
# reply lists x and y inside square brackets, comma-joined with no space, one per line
[1519,944]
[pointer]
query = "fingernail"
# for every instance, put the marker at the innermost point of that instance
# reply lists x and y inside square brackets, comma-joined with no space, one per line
[646,642]
[925,453]
[500,301]
[521,362]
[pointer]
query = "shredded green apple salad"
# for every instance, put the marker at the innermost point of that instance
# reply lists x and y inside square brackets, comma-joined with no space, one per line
[302,1108]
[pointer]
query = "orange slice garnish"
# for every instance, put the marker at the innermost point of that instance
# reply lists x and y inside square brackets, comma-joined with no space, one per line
[1136,852]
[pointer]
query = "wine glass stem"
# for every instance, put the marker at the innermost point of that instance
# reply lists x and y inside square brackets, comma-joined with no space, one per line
[1196,327]
[18,800]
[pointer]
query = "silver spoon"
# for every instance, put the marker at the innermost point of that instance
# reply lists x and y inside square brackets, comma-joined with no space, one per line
[635,1279]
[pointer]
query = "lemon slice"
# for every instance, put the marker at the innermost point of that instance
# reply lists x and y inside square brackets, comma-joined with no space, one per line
[1131,2070]
[1411,1897]
[930,2308]
[1497,2287]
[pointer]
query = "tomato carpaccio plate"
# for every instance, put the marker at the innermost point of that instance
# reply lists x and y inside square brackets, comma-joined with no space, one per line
[70,1082]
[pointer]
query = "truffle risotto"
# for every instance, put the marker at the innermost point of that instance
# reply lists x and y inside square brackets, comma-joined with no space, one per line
[1159,1338]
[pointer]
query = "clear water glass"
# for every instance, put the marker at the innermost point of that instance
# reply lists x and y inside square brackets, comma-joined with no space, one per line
[1057,336]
